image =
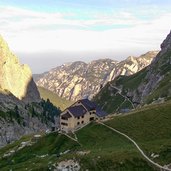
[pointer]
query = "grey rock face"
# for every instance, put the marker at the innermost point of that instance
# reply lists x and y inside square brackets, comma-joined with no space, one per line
[13,125]
[12,131]
[16,123]
[76,80]
[166,45]
[159,69]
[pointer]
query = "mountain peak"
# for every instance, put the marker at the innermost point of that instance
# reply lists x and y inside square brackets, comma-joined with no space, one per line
[3,42]
[166,45]
[14,77]
[131,58]
[3,48]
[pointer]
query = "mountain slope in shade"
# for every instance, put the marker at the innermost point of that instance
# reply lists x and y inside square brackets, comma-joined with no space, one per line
[150,85]
[54,98]
[77,80]
[15,77]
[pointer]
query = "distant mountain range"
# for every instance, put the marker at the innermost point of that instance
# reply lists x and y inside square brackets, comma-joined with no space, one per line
[150,85]
[78,80]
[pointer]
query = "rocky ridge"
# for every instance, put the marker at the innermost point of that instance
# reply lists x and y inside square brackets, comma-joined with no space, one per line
[150,85]
[158,75]
[79,79]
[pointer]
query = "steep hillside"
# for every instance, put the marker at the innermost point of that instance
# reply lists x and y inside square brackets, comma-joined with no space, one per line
[99,148]
[21,109]
[22,120]
[150,128]
[78,79]
[150,85]
[104,150]
[54,98]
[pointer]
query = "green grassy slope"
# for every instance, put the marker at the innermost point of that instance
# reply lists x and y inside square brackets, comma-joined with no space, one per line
[150,128]
[107,150]
[54,98]
[30,157]
[159,73]
[162,67]
[111,101]
[114,102]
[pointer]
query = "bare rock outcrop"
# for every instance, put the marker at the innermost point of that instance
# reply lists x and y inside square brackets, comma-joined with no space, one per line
[15,77]
[79,79]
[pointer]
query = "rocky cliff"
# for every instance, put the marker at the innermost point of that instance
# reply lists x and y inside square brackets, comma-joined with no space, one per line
[17,119]
[79,79]
[15,77]
[157,84]
[21,110]
[150,85]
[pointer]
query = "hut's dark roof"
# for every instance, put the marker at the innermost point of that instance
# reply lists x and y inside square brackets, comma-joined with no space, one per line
[100,112]
[66,115]
[77,110]
[89,105]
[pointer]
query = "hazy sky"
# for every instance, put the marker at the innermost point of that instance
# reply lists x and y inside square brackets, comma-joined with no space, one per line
[47,33]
